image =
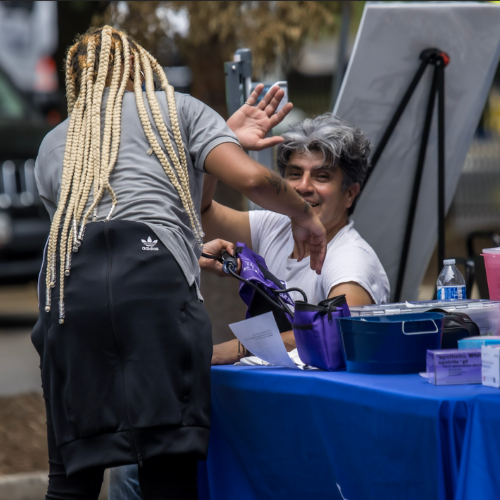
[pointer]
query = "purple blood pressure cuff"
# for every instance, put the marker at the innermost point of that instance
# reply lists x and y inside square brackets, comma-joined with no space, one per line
[254,269]
[315,327]
[317,334]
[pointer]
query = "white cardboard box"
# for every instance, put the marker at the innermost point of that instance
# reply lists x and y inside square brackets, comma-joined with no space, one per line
[490,358]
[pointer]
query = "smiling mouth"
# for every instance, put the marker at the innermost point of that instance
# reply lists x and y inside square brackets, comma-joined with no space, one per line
[312,203]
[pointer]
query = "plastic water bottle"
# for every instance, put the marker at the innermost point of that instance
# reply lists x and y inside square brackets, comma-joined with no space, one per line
[450,283]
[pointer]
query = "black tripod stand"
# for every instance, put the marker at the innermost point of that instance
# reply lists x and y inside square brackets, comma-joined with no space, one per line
[439,60]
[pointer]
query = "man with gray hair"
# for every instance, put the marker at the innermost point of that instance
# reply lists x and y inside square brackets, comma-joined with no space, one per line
[325,160]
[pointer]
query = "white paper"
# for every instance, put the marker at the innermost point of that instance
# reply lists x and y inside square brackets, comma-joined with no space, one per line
[261,336]
[293,355]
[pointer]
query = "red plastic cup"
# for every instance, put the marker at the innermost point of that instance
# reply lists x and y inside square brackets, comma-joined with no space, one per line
[492,264]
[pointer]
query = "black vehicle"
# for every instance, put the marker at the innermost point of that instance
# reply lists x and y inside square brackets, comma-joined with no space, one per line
[24,222]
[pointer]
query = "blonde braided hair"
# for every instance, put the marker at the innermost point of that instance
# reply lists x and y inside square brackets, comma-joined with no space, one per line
[88,162]
[70,86]
[88,167]
[180,166]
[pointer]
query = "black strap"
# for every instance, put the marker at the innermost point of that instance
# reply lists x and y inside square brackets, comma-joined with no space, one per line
[275,302]
[270,276]
[213,257]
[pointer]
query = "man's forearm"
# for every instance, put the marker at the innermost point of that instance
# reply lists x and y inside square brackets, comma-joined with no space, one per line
[289,340]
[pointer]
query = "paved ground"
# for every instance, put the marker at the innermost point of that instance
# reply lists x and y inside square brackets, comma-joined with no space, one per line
[22,412]
[19,372]
[18,301]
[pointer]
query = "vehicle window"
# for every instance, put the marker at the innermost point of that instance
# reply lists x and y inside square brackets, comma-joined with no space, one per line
[11,104]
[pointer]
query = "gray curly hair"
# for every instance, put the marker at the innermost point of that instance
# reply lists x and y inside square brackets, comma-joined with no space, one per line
[342,145]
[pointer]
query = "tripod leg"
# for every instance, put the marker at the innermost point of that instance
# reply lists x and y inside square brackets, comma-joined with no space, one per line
[416,188]
[397,115]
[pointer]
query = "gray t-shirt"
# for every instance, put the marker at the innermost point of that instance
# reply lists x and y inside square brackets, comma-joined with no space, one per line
[142,188]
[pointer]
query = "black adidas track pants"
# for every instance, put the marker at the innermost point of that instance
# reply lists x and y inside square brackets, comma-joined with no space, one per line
[127,376]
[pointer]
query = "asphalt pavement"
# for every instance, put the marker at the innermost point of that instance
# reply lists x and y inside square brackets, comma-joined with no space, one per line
[19,362]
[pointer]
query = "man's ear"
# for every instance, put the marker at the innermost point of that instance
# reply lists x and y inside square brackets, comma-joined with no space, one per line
[352,191]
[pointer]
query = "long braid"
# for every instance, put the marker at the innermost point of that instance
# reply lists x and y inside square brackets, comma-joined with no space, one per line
[117,120]
[119,99]
[172,109]
[116,127]
[88,166]
[146,125]
[88,176]
[67,175]
[173,117]
[180,166]
[78,154]
[105,154]
[108,130]
[70,83]
[96,106]
[88,161]
[77,192]
[79,174]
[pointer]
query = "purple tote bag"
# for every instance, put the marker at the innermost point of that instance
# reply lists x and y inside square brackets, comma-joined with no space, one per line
[317,333]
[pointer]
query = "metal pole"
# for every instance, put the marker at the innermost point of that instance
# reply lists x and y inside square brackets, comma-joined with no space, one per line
[416,187]
[245,58]
[233,94]
[441,162]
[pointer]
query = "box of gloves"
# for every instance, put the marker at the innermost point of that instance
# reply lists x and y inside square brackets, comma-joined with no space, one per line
[490,355]
[454,366]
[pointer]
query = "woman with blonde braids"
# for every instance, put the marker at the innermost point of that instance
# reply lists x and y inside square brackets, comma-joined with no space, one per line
[124,341]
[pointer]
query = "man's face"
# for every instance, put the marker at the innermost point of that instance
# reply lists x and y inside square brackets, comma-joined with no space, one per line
[320,187]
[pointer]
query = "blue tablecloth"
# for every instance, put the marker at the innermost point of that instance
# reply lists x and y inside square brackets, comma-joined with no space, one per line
[279,434]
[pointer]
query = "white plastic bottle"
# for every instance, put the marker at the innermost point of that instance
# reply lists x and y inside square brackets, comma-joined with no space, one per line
[450,283]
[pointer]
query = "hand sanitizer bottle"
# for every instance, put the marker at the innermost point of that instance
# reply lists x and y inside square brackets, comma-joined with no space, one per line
[450,283]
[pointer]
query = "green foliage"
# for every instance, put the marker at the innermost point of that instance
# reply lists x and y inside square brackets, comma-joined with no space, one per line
[271,29]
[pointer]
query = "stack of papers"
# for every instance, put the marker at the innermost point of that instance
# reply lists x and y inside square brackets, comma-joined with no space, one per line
[261,336]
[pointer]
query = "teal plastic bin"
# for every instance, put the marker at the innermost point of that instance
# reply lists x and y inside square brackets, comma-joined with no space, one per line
[393,344]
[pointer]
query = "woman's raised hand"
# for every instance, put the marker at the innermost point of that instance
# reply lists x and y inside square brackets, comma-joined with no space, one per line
[251,123]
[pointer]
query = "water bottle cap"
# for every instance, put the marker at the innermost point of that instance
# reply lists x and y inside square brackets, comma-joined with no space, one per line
[449,262]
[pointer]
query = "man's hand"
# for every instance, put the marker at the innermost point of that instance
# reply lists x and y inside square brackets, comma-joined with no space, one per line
[308,232]
[225,353]
[216,247]
[251,123]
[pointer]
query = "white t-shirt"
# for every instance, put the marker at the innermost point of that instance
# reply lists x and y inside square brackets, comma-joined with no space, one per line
[348,258]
